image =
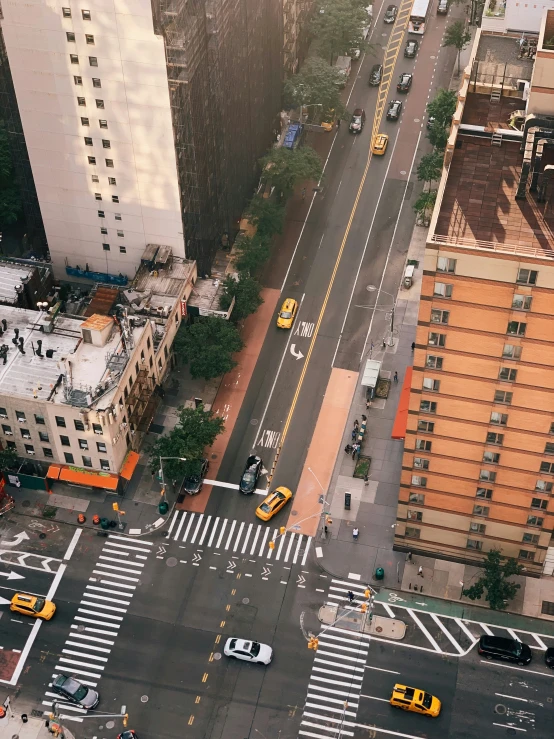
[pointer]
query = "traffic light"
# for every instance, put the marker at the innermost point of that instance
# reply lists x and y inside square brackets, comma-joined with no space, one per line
[313,643]
[272,545]
[363,607]
[162,491]
[125,719]
[115,506]
[282,531]
[367,593]
[328,520]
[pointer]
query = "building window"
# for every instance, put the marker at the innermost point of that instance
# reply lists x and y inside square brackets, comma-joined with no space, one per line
[420,463]
[442,290]
[437,339]
[85,14]
[530,538]
[29,448]
[65,441]
[159,362]
[506,373]
[542,486]
[480,510]
[66,12]
[115,198]
[535,520]
[97,428]
[104,464]
[524,554]
[439,316]
[427,426]
[494,438]
[547,467]
[446,265]
[96,82]
[103,230]
[101,446]
[522,302]
[106,247]
[122,250]
[74,58]
[527,277]
[70,36]
[547,608]
[414,515]
[99,103]
[20,416]
[491,457]
[90,38]
[423,445]
[101,214]
[68,457]
[103,124]
[540,504]
[418,498]
[117,216]
[87,461]
[7,429]
[477,528]
[25,433]
[549,448]
[83,444]
[427,406]
[106,144]
[4,412]
[82,102]
[511,352]
[39,419]
[500,396]
[430,384]
[88,141]
[85,122]
[515,328]
[500,419]
[551,428]
[95,178]
[79,425]
[77,80]
[92,160]
[11,445]
[485,493]
[412,532]
[418,481]
[474,544]
[109,162]
[47,452]
[487,476]
[433,362]
[125,392]
[120,234]
[97,196]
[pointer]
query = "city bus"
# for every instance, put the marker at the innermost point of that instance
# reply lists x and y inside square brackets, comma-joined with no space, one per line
[418,16]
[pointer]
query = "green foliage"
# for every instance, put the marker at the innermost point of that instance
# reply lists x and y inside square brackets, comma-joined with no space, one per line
[246,291]
[251,254]
[442,107]
[290,167]
[457,35]
[195,430]
[337,27]
[438,136]
[430,167]
[317,85]
[10,199]
[267,215]
[494,580]
[424,205]
[8,458]
[207,346]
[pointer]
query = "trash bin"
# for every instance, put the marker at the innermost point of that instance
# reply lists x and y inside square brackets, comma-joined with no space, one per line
[379,573]
[347,501]
[163,507]
[104,523]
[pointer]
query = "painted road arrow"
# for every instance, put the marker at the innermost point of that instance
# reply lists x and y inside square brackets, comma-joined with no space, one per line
[162,549]
[196,558]
[231,566]
[12,575]
[301,580]
[18,539]
[4,602]
[296,354]
[265,572]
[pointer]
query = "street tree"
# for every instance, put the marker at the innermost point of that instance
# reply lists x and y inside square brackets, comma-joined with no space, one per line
[316,86]
[251,253]
[290,167]
[8,458]
[458,36]
[267,215]
[493,582]
[438,135]
[424,205]
[207,346]
[442,107]
[246,291]
[337,27]
[430,167]
[195,430]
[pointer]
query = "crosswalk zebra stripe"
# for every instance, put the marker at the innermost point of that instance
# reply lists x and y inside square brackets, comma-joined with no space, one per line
[254,542]
[291,541]
[189,526]
[295,558]
[206,527]
[328,699]
[197,529]
[237,540]
[216,524]
[262,547]
[221,533]
[233,524]
[248,532]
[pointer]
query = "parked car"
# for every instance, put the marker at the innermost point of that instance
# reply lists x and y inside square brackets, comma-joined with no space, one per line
[404,82]
[75,692]
[390,14]
[442,7]
[395,108]
[129,734]
[248,651]
[357,122]
[415,700]
[430,122]
[33,605]
[411,48]
[287,313]
[549,657]
[376,75]
[379,144]
[194,479]
[273,503]
[499,647]
[251,474]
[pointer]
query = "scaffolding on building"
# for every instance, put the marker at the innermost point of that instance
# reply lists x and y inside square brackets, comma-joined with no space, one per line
[142,403]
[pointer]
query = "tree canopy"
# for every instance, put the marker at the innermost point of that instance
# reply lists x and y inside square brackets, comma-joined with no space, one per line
[8,458]
[317,84]
[289,167]
[458,36]
[493,582]
[442,107]
[337,27]
[207,346]
[267,215]
[430,167]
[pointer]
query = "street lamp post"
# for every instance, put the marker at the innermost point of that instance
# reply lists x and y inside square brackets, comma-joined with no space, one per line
[162,480]
[373,288]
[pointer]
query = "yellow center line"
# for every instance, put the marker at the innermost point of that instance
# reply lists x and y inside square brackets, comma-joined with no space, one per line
[391,55]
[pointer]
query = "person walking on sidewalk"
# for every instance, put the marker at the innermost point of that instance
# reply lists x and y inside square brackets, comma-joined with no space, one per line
[413,345]
[420,571]
[355,450]
[355,534]
[348,448]
[396,376]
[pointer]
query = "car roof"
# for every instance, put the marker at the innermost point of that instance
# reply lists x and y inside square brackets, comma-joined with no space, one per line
[376,67]
[500,642]
[381,138]
[289,302]
[358,111]
[25,598]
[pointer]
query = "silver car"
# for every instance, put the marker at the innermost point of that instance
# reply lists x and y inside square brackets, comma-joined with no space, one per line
[249,651]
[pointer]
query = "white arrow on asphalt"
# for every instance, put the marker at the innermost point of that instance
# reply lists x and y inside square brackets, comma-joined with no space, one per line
[4,602]
[12,575]
[296,354]
[162,549]
[231,566]
[301,580]
[266,571]
[196,557]
[18,539]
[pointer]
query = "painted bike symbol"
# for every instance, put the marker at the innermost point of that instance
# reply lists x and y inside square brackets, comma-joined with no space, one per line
[394,598]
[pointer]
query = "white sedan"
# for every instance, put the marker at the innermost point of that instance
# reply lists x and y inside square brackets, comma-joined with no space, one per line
[249,651]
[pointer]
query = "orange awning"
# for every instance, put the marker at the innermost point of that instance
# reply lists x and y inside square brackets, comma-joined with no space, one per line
[401,419]
[78,476]
[129,465]
[54,471]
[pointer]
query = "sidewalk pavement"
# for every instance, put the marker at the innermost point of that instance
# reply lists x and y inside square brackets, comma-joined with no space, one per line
[33,728]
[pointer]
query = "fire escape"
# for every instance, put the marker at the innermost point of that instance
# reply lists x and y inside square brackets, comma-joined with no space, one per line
[142,403]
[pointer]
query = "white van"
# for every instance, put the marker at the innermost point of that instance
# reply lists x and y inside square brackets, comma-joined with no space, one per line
[344,65]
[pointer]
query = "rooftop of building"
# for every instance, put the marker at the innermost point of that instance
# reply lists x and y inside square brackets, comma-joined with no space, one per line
[164,280]
[12,276]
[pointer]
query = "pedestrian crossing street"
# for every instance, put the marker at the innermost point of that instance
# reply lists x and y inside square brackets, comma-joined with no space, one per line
[337,673]
[249,539]
[99,616]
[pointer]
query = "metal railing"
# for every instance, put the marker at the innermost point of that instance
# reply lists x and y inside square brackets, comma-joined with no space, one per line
[503,248]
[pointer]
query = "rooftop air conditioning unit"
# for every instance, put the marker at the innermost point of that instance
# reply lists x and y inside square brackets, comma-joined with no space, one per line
[22,420]
[98,433]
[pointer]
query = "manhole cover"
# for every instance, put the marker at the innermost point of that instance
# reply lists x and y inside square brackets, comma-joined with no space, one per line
[217,656]
[26,504]
[171,561]
[80,628]
[110,724]
[246,601]
[417,120]
[15,736]
[254,421]
[379,629]
[144,699]
[213,456]
[294,513]
[500,708]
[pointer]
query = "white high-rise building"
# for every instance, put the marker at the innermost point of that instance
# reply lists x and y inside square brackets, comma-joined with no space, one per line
[91,83]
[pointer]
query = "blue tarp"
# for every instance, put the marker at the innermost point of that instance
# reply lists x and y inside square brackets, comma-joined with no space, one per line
[97,276]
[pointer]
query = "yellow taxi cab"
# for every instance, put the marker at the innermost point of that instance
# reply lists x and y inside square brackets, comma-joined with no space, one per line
[287,313]
[328,123]
[416,700]
[379,144]
[33,605]
[273,503]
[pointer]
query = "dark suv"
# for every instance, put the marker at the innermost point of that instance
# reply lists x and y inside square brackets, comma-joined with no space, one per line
[390,14]
[395,108]
[376,74]
[499,647]
[194,479]
[404,82]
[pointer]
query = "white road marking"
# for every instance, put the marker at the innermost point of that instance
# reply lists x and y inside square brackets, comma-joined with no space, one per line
[212,534]
[80,635]
[512,697]
[197,529]
[464,628]
[115,551]
[206,527]
[328,708]
[331,662]
[340,702]
[237,540]
[127,546]
[104,597]
[540,642]
[445,631]
[117,569]
[88,646]
[92,630]
[496,663]
[262,547]
[98,613]
[172,524]
[381,669]
[486,629]
[233,524]
[297,550]
[76,671]
[424,630]
[342,673]
[126,538]
[280,547]
[98,623]
[388,609]
[255,540]
[189,526]
[247,537]
[104,606]
[79,664]
[291,540]
[223,526]
[306,551]
[509,726]
[72,544]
